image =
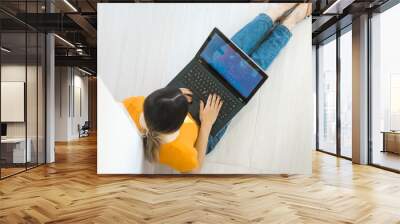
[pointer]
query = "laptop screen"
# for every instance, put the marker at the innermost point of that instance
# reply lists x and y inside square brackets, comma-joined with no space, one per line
[232,66]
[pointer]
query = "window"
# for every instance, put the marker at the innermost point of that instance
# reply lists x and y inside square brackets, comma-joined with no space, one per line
[346,94]
[327,97]
[395,102]
[22,78]
[385,89]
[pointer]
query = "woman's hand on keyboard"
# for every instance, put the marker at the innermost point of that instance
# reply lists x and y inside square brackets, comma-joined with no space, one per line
[187,93]
[209,111]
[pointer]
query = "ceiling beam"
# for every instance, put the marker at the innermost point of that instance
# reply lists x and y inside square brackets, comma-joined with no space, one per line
[84,24]
[321,20]
[337,7]
[83,61]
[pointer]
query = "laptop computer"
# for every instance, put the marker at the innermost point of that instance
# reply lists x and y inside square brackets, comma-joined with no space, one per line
[220,67]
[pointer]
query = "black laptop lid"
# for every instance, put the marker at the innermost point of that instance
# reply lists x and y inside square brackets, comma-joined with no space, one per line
[3,129]
[232,65]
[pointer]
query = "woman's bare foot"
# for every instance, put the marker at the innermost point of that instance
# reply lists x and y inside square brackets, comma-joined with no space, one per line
[274,11]
[299,13]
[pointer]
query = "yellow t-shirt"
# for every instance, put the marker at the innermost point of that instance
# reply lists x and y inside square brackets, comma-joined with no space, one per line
[180,153]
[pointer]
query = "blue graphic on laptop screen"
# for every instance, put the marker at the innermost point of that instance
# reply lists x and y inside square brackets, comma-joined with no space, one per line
[231,66]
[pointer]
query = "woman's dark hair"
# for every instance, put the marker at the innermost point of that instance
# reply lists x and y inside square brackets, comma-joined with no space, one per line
[164,112]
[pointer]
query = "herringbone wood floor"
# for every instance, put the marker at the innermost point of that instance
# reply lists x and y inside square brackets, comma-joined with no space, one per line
[69,191]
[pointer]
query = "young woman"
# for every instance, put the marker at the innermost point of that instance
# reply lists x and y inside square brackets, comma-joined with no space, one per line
[170,135]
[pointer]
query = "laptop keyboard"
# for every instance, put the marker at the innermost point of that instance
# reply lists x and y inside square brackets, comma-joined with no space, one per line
[202,84]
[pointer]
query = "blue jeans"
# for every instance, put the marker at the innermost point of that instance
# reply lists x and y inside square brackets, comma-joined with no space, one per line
[262,44]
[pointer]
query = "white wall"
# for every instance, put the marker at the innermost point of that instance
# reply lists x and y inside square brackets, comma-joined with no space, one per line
[68,82]
[143,46]
[80,103]
[12,73]
[13,101]
[62,82]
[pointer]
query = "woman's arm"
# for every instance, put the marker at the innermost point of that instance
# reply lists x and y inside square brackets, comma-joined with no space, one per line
[201,145]
[208,115]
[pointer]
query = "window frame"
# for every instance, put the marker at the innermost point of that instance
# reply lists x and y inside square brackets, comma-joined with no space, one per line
[381,9]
